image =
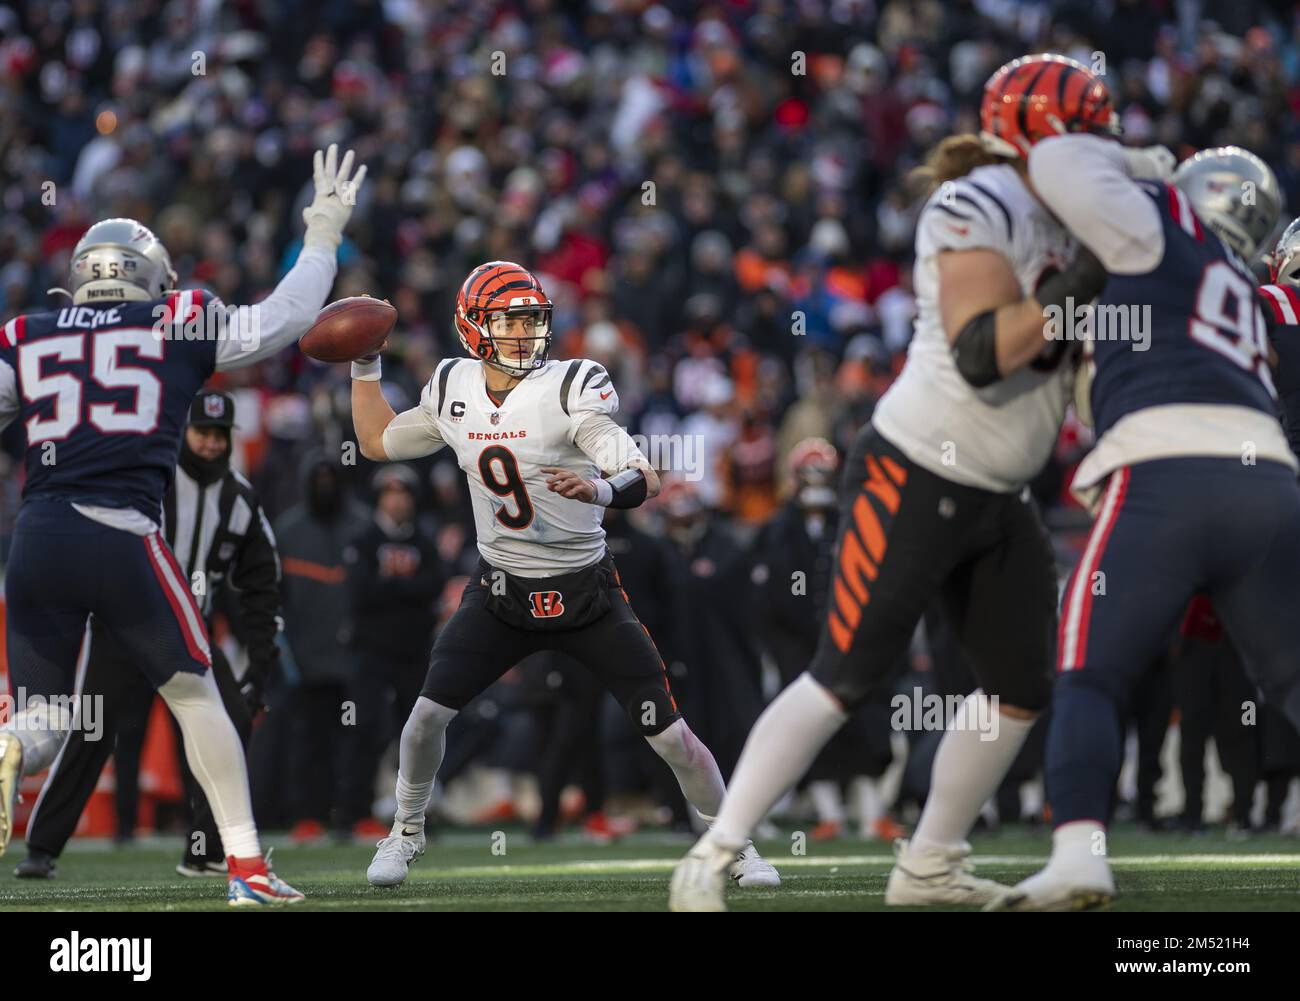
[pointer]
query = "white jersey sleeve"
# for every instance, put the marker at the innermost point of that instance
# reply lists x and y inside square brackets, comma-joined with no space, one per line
[589,392]
[1084,180]
[259,331]
[592,403]
[414,433]
[964,214]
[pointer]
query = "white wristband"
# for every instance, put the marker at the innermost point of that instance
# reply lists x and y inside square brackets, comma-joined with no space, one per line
[604,492]
[366,371]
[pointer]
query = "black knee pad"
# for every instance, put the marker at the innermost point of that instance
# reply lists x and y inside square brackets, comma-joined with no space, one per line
[651,709]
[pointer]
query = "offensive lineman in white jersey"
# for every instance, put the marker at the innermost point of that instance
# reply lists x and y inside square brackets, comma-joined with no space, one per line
[534,437]
[932,504]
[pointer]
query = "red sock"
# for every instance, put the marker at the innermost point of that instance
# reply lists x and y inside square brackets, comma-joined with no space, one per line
[242,867]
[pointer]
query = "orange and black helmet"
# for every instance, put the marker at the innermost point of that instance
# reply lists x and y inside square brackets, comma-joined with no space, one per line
[504,317]
[1034,97]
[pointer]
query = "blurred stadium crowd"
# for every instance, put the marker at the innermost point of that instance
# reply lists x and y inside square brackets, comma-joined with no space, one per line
[715,197]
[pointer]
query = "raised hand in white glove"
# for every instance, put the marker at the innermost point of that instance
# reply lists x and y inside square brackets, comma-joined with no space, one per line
[336,194]
[1150,163]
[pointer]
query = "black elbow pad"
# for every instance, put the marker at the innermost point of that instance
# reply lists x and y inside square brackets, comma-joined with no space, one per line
[975,351]
[630,489]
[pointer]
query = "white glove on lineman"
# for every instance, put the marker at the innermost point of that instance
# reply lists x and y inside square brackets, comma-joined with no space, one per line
[336,195]
[1150,163]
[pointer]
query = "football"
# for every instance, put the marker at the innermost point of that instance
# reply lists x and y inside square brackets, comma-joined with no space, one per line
[347,329]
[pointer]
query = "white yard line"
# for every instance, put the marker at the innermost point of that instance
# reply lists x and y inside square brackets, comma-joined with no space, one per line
[834,861]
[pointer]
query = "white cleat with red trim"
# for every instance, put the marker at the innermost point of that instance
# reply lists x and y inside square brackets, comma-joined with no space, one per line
[253,884]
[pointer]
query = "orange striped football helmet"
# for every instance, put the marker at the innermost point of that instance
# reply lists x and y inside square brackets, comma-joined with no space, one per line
[504,317]
[1034,97]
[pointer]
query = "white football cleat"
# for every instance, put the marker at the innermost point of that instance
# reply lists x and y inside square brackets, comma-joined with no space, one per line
[699,882]
[937,876]
[395,855]
[11,774]
[1075,885]
[751,869]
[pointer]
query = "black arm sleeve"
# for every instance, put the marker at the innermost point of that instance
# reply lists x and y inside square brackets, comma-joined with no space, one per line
[630,488]
[255,578]
[975,350]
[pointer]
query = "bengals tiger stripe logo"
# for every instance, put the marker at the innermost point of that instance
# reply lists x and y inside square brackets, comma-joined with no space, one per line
[546,604]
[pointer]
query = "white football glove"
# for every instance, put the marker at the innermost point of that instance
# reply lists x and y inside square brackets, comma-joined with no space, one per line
[336,195]
[1150,163]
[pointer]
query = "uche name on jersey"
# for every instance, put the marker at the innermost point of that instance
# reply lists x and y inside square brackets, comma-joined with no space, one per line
[211,322]
[494,435]
[84,316]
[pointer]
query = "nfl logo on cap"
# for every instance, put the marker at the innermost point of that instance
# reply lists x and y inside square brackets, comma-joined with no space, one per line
[212,409]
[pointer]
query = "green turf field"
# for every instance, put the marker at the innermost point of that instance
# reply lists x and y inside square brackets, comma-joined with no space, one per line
[461,872]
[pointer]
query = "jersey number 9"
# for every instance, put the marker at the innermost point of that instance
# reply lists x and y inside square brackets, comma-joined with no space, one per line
[500,473]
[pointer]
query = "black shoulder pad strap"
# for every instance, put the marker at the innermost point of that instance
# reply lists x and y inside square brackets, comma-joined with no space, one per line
[565,386]
[443,374]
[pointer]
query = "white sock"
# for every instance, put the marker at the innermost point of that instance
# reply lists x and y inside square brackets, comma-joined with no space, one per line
[1078,843]
[827,801]
[424,739]
[968,769]
[216,757]
[693,765]
[42,731]
[871,804]
[785,740]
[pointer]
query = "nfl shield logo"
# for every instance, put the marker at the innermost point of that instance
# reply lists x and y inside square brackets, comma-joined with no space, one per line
[214,406]
[496,418]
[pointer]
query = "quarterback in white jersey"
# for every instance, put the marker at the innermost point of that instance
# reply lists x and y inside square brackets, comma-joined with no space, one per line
[534,438]
[560,416]
[931,510]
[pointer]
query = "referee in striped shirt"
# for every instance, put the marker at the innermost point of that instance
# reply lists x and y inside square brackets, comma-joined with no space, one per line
[217,529]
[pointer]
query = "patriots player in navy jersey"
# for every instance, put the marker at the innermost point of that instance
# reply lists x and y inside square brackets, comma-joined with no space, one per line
[102,387]
[1192,479]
